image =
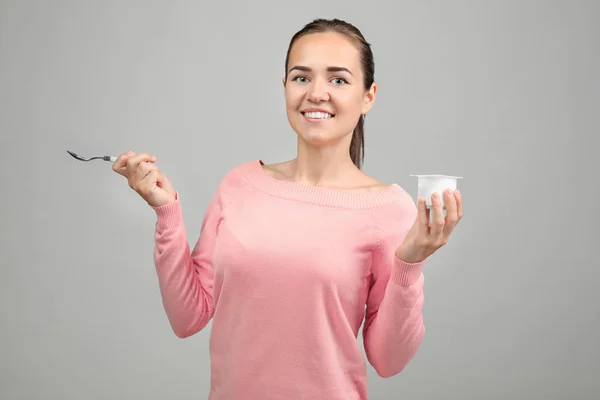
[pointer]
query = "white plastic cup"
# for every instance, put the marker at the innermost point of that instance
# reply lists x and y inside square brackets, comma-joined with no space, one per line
[429,184]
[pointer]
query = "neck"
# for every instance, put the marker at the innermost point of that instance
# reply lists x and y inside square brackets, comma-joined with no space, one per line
[324,165]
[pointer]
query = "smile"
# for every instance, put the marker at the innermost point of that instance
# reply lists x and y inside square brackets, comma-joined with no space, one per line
[317,115]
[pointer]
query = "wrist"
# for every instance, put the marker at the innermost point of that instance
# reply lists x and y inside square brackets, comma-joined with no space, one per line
[410,257]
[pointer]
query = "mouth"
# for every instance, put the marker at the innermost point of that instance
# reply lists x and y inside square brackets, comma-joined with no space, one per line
[317,115]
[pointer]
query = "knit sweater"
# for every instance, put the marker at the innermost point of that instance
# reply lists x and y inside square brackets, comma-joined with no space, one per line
[288,273]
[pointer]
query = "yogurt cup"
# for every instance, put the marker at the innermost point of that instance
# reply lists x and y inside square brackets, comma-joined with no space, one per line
[429,184]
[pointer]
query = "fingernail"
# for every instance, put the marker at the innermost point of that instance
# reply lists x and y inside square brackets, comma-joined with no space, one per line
[457,192]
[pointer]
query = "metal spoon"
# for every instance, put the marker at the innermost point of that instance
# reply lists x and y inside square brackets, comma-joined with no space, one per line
[105,158]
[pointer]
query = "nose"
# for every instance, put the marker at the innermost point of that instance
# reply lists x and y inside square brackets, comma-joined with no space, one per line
[317,91]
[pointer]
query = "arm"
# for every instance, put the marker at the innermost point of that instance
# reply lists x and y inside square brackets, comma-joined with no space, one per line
[185,280]
[393,328]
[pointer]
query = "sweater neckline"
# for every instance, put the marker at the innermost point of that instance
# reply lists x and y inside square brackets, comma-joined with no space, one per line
[319,195]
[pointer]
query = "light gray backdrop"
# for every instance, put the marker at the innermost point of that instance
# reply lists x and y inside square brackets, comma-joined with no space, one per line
[504,93]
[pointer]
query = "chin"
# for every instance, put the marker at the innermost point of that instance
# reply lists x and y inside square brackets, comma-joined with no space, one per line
[319,133]
[320,137]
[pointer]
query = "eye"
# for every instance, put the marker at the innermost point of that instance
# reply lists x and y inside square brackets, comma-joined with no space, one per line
[339,81]
[300,79]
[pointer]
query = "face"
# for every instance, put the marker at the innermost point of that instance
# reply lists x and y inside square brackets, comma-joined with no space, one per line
[324,92]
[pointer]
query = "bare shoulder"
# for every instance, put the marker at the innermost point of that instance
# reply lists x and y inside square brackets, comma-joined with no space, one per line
[280,170]
[370,183]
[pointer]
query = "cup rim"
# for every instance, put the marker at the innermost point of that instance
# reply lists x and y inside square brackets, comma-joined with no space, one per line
[438,176]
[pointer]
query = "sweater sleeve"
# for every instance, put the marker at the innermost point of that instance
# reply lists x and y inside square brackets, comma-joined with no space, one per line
[185,279]
[393,328]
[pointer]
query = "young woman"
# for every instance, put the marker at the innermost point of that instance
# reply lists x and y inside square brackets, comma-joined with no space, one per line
[293,257]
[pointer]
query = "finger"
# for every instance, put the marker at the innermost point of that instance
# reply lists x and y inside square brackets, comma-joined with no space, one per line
[459,204]
[149,180]
[134,161]
[163,182]
[428,212]
[437,221]
[120,163]
[422,215]
[144,168]
[451,212]
[146,184]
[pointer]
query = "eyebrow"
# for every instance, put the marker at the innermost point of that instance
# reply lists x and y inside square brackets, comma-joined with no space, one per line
[329,69]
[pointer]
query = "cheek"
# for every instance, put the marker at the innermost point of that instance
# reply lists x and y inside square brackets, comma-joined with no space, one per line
[291,101]
[351,103]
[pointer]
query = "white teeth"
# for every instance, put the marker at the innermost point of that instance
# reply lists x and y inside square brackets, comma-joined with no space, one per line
[317,115]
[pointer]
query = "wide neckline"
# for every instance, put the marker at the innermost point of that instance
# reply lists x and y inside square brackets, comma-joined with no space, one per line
[265,182]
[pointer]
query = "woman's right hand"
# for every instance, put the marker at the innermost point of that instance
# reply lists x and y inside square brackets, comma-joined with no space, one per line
[145,178]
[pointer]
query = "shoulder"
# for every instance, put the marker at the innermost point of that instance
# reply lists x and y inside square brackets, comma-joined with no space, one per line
[396,216]
[234,180]
[400,202]
[370,184]
[280,170]
[238,172]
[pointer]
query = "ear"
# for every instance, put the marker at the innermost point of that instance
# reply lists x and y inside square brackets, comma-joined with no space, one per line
[369,99]
[283,81]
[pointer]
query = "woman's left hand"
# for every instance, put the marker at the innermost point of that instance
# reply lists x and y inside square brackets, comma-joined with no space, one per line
[424,238]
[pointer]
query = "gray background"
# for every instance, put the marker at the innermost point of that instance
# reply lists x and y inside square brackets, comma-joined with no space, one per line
[504,93]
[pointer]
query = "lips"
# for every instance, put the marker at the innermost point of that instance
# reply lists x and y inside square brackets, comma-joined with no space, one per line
[317,110]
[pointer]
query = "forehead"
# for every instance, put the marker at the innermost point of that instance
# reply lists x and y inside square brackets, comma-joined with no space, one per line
[320,50]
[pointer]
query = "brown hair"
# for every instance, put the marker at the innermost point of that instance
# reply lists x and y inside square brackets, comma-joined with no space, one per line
[357,145]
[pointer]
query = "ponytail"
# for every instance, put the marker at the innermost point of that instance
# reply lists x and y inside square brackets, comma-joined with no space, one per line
[357,145]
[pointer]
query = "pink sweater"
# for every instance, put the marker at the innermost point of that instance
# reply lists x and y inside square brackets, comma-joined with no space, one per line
[285,271]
